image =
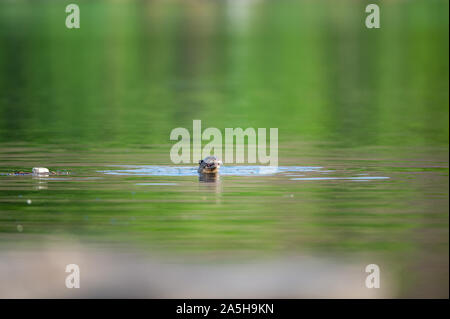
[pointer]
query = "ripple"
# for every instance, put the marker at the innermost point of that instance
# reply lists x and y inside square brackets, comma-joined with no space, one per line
[359,178]
[155,170]
[155,184]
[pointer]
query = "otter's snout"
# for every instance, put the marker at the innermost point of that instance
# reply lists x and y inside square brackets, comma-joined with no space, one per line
[212,165]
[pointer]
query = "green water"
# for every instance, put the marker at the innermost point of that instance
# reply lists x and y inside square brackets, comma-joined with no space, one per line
[353,101]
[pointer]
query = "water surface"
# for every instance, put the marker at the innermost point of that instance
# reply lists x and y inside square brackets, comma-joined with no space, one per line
[363,147]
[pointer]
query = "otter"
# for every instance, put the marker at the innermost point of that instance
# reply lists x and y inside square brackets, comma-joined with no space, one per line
[209,165]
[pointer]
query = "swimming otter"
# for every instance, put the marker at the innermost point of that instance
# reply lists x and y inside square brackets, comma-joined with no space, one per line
[209,165]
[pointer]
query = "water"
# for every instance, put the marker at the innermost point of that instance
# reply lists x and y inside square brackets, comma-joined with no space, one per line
[363,149]
[159,170]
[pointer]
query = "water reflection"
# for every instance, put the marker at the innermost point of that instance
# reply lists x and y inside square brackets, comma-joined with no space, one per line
[209,178]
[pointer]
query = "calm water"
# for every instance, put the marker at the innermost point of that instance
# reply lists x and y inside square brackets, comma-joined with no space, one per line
[363,146]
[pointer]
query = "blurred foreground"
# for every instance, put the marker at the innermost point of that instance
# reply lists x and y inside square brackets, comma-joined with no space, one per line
[104,274]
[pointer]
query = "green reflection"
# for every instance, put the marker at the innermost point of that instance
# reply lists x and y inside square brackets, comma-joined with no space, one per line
[352,100]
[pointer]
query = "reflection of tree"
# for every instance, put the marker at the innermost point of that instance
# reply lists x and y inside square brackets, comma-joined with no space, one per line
[136,70]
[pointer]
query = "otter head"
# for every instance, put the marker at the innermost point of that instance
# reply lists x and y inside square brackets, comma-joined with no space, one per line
[209,164]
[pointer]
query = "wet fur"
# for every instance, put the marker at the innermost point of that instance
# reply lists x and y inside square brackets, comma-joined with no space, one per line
[209,165]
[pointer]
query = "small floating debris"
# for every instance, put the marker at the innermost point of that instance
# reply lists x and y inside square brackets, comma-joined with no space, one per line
[40,171]
[19,228]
